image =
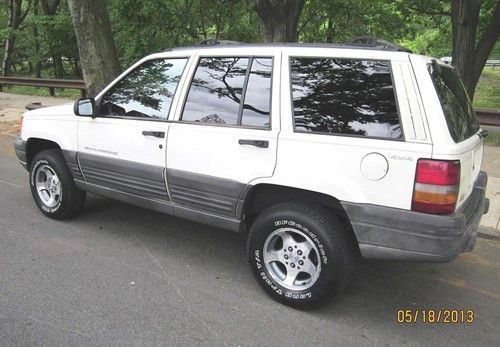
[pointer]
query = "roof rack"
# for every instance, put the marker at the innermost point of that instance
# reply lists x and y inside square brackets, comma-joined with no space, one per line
[215,42]
[368,41]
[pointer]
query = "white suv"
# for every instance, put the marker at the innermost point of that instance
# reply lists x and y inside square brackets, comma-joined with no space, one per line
[318,152]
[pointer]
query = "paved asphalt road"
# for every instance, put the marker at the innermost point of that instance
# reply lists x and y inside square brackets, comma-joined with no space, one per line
[121,274]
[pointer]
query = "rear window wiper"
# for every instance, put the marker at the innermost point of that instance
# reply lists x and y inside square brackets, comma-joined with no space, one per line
[482,133]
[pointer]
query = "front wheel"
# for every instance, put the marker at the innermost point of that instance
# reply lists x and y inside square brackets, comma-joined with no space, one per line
[52,186]
[300,254]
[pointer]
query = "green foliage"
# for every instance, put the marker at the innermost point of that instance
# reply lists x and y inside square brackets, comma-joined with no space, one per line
[341,20]
[55,37]
[495,53]
[433,42]
[142,27]
[493,138]
[488,89]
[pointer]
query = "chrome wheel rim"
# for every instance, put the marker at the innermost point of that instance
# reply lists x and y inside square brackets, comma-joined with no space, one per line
[48,186]
[292,259]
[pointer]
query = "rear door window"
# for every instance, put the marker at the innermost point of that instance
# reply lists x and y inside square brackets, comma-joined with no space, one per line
[344,97]
[232,91]
[457,108]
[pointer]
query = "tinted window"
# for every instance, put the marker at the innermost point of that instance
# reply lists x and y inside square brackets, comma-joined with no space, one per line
[146,92]
[230,91]
[216,89]
[258,94]
[457,107]
[344,96]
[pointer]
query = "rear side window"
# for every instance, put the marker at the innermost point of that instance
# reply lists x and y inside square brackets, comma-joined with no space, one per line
[230,91]
[345,97]
[457,108]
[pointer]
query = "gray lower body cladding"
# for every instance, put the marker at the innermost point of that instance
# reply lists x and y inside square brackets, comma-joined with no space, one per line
[163,206]
[205,193]
[389,233]
[72,161]
[201,198]
[130,177]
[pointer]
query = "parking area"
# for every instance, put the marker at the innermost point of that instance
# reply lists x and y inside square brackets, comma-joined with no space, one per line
[122,274]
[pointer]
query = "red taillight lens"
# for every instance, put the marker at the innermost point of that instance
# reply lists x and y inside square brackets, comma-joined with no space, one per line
[443,173]
[20,124]
[436,186]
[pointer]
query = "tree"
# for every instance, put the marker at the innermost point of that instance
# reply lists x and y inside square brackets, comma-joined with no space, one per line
[16,15]
[279,19]
[142,27]
[475,30]
[98,54]
[470,48]
[49,9]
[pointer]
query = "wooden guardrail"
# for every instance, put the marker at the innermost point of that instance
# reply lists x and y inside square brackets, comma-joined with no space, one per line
[43,82]
[488,117]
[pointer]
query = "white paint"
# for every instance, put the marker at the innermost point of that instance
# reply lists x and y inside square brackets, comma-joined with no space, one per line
[374,166]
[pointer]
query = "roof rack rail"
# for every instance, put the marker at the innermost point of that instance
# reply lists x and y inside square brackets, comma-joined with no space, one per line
[215,42]
[369,41]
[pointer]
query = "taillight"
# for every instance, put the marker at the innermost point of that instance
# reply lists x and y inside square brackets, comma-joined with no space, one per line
[436,186]
[20,124]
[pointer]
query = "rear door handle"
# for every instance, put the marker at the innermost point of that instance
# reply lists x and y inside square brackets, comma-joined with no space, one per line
[159,134]
[256,143]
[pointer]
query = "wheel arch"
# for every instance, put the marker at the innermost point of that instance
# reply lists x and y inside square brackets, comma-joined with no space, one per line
[35,145]
[264,195]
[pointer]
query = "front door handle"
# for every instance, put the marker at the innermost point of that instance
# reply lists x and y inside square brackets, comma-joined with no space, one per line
[256,143]
[159,134]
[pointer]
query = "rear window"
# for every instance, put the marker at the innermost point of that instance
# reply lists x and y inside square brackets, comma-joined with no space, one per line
[457,108]
[344,96]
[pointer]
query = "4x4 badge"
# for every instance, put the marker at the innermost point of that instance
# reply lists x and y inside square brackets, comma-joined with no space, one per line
[397,157]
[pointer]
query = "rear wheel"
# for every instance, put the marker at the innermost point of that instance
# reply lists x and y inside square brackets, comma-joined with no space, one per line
[52,186]
[300,254]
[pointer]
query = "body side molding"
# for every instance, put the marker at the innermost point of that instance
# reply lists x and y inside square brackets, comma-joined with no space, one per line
[162,206]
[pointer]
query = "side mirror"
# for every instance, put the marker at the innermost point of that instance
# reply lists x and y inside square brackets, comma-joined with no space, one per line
[85,107]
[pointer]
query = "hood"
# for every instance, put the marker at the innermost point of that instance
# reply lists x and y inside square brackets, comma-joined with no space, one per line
[61,110]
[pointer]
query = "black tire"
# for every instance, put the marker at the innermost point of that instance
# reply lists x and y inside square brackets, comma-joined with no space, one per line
[332,240]
[71,199]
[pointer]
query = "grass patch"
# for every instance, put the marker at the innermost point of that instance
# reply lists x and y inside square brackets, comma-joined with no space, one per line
[42,91]
[488,89]
[493,138]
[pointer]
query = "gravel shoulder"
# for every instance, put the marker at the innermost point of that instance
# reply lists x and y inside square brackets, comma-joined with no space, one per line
[12,106]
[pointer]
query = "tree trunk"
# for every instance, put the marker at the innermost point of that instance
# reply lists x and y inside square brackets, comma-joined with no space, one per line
[469,58]
[76,66]
[279,19]
[58,66]
[7,57]
[98,54]
[15,16]
[36,36]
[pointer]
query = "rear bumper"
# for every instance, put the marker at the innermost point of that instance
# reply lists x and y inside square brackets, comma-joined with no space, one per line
[20,148]
[389,233]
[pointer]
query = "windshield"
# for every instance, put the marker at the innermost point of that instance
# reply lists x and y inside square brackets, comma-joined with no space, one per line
[457,108]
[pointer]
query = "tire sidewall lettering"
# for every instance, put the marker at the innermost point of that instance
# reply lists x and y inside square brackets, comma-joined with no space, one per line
[262,272]
[314,238]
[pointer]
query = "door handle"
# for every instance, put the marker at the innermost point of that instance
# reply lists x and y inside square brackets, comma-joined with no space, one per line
[256,143]
[159,134]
